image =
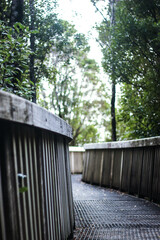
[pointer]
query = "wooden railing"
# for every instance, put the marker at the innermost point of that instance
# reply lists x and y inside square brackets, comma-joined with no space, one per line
[131,166]
[35,184]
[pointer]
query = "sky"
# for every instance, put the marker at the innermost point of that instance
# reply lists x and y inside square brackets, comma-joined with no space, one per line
[82,14]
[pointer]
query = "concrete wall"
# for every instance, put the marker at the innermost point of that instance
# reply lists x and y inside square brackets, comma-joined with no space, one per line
[130,166]
[76,159]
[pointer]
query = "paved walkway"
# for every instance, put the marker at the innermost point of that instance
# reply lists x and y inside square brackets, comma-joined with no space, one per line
[102,213]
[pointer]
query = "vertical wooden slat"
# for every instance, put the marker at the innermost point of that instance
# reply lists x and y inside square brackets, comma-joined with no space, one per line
[10,187]
[2,212]
[101,168]
[50,188]
[69,186]
[116,168]
[61,188]
[97,167]
[121,170]
[54,190]
[156,176]
[140,173]
[126,172]
[111,169]
[152,174]
[30,201]
[63,191]
[41,185]
[36,184]
[85,166]
[130,171]
[19,216]
[68,227]
[21,170]
[107,168]
[48,232]
[136,170]
[58,189]
[2,218]
[147,173]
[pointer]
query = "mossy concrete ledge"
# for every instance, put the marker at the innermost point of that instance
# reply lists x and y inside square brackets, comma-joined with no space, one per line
[131,166]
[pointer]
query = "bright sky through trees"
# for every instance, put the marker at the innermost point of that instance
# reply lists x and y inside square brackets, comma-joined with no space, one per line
[82,14]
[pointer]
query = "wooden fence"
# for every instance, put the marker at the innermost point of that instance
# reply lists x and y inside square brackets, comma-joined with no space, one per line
[76,159]
[131,166]
[35,183]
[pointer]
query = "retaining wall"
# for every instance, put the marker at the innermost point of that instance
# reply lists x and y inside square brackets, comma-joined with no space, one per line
[130,166]
[35,182]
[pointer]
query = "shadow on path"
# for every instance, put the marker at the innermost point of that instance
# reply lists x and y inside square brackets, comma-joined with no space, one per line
[102,213]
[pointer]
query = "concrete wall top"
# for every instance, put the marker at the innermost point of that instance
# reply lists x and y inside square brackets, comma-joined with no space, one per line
[76,149]
[17,109]
[145,142]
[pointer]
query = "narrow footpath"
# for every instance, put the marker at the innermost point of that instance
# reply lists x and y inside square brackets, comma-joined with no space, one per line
[102,213]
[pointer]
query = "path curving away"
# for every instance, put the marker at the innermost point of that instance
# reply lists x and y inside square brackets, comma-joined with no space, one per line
[102,213]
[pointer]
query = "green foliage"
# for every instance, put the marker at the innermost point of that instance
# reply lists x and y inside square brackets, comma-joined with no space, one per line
[51,52]
[14,49]
[5,10]
[23,189]
[89,135]
[73,80]
[135,41]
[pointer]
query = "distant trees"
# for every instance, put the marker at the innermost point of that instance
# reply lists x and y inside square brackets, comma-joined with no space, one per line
[38,49]
[135,41]
[73,84]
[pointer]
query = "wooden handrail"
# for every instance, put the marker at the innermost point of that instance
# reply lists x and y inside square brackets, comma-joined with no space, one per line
[20,110]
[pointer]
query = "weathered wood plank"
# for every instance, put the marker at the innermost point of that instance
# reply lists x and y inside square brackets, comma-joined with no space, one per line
[153,141]
[17,109]
[106,168]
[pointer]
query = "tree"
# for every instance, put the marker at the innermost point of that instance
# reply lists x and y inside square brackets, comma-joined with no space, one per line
[113,97]
[32,47]
[16,11]
[57,55]
[135,42]
[14,55]
[14,49]
[17,31]
[102,42]
[73,80]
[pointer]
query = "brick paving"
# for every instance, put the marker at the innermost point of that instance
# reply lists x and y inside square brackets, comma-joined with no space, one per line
[102,213]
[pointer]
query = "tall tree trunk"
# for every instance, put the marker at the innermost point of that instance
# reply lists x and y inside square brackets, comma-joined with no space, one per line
[113,115]
[32,46]
[16,11]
